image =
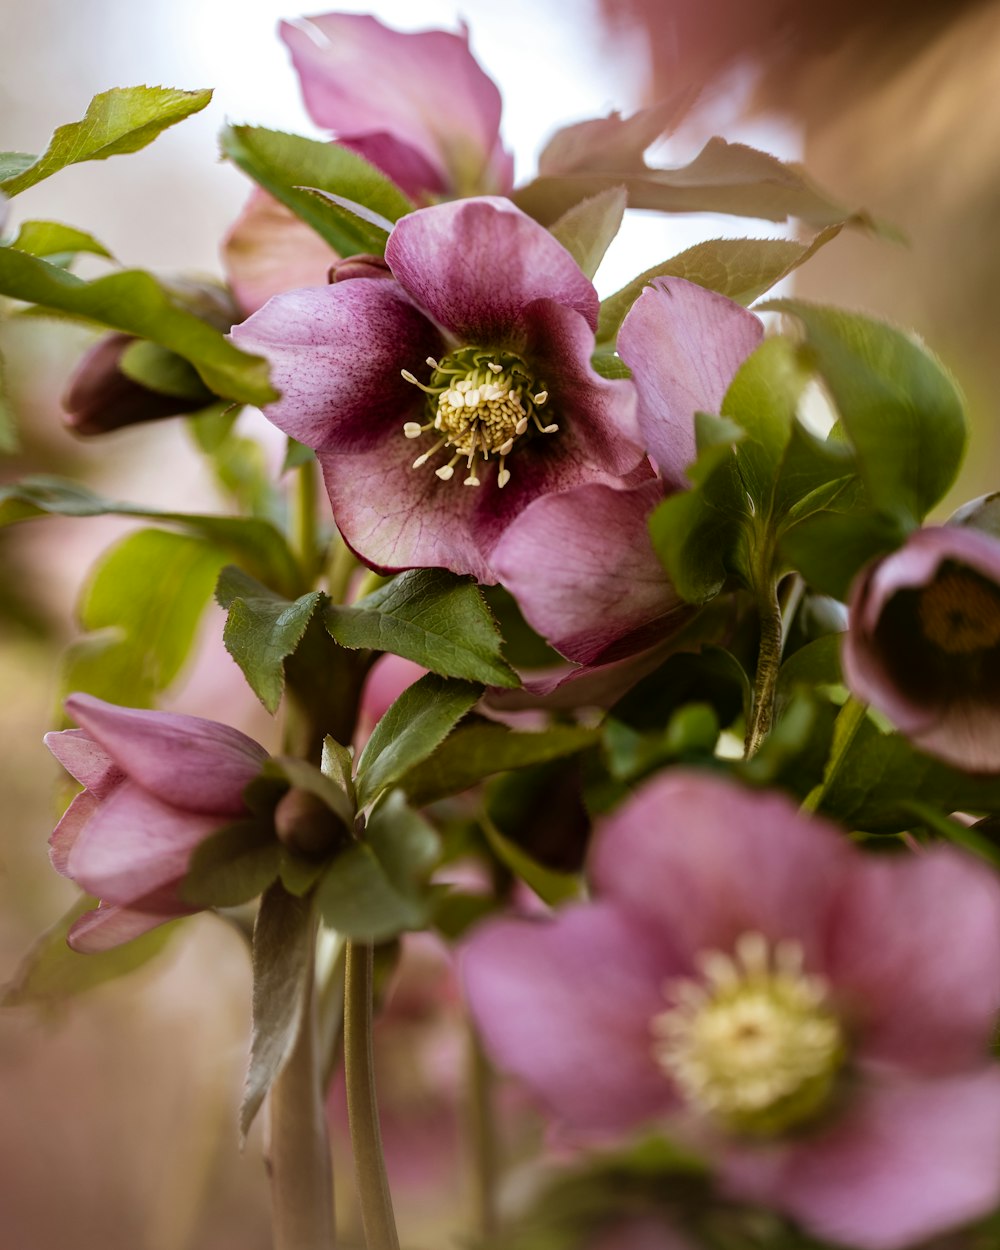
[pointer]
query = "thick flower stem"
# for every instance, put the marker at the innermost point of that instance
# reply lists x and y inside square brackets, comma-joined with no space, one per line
[299,1148]
[766,678]
[483,1145]
[306,536]
[362,1109]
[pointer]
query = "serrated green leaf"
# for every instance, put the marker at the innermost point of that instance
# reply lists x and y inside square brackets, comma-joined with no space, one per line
[232,866]
[587,229]
[550,886]
[283,164]
[282,971]
[52,972]
[900,408]
[432,617]
[262,630]
[477,751]
[414,726]
[122,120]
[162,371]
[830,547]
[258,546]
[740,269]
[141,608]
[51,238]
[370,230]
[135,302]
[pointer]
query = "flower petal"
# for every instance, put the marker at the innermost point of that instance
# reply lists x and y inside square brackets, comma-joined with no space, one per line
[916,950]
[582,568]
[475,265]
[683,344]
[107,927]
[65,834]
[409,169]
[85,761]
[195,765]
[567,1005]
[904,1162]
[335,354]
[134,844]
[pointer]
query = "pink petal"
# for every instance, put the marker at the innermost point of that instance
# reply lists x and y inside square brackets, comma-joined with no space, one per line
[85,761]
[335,354]
[566,1005]
[268,250]
[194,764]
[65,834]
[424,89]
[409,169]
[916,951]
[904,1162]
[708,860]
[133,845]
[476,265]
[107,927]
[583,570]
[683,344]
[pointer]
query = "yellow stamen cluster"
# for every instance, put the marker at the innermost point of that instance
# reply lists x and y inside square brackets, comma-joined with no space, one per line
[479,404]
[959,612]
[753,1042]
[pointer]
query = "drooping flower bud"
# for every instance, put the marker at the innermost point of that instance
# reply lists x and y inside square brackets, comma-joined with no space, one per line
[304,823]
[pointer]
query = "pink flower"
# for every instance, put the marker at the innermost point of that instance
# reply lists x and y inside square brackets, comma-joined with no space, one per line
[156,785]
[923,643]
[818,1017]
[418,106]
[442,403]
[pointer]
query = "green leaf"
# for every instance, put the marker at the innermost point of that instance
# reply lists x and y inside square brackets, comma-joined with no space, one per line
[336,792]
[282,970]
[432,617]
[370,230]
[141,608]
[262,630]
[829,547]
[232,866]
[51,971]
[815,664]
[587,229]
[10,441]
[414,726]
[291,168]
[137,303]
[477,751]
[162,371]
[257,545]
[740,269]
[901,410]
[50,238]
[14,163]
[550,886]
[376,889]
[124,119]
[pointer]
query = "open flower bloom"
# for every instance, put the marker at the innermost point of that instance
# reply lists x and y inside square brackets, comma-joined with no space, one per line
[441,403]
[417,105]
[819,1018]
[923,643]
[156,785]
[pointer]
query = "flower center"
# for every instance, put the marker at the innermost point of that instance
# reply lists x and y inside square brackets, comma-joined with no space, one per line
[960,612]
[479,404]
[753,1042]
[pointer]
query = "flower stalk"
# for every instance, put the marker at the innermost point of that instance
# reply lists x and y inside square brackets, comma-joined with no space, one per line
[766,677]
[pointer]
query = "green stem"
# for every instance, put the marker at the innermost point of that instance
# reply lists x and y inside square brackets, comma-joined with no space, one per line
[306,529]
[299,1148]
[362,1109]
[766,677]
[849,720]
[484,1147]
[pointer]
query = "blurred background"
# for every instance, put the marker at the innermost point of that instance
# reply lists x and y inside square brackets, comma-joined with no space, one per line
[117,1119]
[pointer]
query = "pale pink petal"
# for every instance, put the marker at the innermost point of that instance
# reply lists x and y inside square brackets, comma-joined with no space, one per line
[194,764]
[388,677]
[904,1162]
[582,568]
[567,1006]
[85,761]
[640,1233]
[684,345]
[915,959]
[107,927]
[335,354]
[707,860]
[476,265]
[65,834]
[134,844]
[268,250]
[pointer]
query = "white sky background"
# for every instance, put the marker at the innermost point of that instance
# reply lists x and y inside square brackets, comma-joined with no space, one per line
[167,207]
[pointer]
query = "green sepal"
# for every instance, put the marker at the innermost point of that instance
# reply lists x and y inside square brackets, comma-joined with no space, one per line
[232,866]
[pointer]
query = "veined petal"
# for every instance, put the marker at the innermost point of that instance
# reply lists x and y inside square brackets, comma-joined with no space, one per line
[65,834]
[335,354]
[475,265]
[85,761]
[683,344]
[195,765]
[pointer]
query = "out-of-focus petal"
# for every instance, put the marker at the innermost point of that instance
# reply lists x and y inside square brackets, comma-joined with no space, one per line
[85,761]
[684,345]
[409,169]
[107,927]
[194,764]
[68,829]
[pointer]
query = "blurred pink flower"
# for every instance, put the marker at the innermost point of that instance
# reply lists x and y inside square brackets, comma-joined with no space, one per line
[820,1018]
[923,643]
[156,785]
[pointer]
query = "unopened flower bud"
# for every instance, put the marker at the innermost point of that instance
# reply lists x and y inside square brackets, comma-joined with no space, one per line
[304,823]
[360,266]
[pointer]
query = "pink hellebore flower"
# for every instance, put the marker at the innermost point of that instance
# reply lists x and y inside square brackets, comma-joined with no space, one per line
[923,643]
[820,1018]
[156,785]
[441,403]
